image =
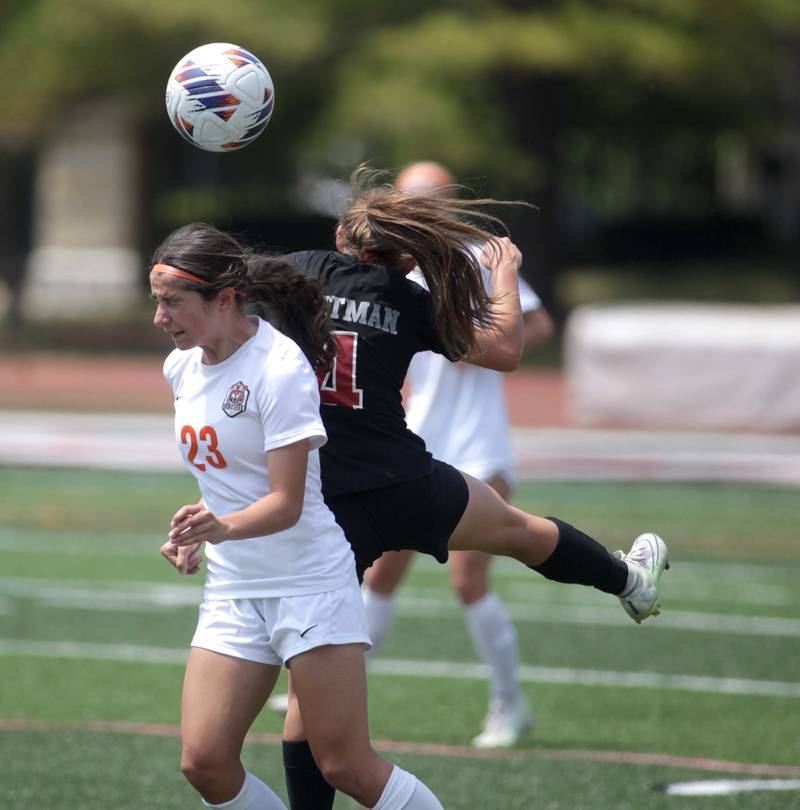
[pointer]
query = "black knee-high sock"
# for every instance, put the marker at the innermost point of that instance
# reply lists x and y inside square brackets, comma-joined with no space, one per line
[581,560]
[305,783]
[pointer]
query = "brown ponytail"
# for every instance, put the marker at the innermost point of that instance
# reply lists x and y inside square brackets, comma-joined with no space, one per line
[441,234]
[293,303]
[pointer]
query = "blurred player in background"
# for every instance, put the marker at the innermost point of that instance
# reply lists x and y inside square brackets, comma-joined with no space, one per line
[460,411]
[281,586]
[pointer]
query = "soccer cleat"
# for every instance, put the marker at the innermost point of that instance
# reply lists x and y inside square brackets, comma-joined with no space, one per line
[647,560]
[504,724]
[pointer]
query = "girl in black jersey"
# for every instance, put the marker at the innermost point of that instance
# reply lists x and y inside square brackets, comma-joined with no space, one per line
[384,488]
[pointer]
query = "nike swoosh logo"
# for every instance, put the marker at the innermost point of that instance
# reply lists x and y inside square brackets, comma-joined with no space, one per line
[307,629]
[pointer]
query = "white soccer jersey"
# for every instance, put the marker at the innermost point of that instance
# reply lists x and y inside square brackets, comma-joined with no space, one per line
[460,409]
[227,416]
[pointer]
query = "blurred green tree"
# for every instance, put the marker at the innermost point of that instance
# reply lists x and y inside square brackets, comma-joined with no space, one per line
[596,109]
[593,108]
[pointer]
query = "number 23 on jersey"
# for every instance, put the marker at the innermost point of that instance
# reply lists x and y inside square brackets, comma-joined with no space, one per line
[203,447]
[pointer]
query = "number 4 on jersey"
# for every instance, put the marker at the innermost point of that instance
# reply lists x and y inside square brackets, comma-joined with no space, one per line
[337,386]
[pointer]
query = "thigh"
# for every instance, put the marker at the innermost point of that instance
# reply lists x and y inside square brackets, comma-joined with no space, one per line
[222,696]
[389,570]
[469,570]
[330,686]
[469,574]
[491,525]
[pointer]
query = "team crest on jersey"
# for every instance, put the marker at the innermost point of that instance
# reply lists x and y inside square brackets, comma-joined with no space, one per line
[236,399]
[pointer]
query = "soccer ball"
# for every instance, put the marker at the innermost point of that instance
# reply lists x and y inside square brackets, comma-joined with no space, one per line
[220,97]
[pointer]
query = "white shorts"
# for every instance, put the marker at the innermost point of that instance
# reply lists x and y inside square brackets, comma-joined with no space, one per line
[271,630]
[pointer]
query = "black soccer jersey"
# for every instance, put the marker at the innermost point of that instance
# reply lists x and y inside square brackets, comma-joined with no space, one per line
[381,319]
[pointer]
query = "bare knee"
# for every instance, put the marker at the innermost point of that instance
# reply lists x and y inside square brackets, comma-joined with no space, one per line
[207,771]
[470,588]
[469,575]
[388,571]
[360,776]
[341,772]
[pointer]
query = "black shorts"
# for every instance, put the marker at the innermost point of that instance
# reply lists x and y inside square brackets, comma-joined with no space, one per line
[419,514]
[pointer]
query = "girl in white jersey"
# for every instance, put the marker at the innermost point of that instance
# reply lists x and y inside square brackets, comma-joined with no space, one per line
[281,587]
[459,409]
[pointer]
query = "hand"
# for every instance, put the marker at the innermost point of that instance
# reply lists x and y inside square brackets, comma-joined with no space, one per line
[194,524]
[184,558]
[501,253]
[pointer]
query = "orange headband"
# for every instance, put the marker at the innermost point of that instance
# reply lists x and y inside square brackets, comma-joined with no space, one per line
[174,271]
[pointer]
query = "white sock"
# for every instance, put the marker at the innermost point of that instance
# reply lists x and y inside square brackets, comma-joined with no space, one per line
[254,795]
[634,580]
[495,639]
[404,791]
[380,615]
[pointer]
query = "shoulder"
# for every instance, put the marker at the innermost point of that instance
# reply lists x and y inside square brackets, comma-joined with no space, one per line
[176,363]
[283,349]
[317,262]
[280,356]
[416,288]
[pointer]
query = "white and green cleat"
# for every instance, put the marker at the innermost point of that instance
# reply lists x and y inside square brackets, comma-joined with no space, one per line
[505,724]
[647,560]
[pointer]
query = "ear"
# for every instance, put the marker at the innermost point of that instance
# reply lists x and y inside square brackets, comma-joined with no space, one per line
[407,264]
[341,241]
[226,298]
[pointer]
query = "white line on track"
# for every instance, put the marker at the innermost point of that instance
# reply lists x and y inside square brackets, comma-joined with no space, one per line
[144,441]
[429,669]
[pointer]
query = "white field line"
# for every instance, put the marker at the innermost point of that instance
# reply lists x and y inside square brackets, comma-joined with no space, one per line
[729,787]
[612,616]
[98,652]
[728,570]
[147,597]
[18,542]
[430,669]
[128,596]
[713,583]
[590,677]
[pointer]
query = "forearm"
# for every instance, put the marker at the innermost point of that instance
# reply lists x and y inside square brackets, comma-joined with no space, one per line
[508,328]
[500,346]
[273,513]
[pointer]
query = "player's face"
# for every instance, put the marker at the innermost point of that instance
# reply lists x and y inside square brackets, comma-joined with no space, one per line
[183,314]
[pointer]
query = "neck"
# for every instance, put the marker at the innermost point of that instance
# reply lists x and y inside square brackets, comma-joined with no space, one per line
[221,348]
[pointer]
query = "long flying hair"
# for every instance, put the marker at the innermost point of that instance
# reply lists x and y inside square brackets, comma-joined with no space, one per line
[267,286]
[441,234]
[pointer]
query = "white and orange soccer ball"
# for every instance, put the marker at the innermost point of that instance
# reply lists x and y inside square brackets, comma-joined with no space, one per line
[220,97]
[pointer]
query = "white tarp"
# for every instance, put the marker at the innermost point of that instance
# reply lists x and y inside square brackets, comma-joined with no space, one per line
[685,365]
